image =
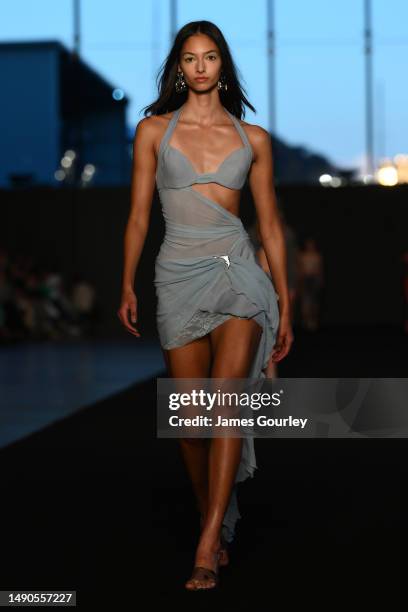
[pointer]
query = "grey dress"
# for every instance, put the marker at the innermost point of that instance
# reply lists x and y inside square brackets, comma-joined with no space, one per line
[206,270]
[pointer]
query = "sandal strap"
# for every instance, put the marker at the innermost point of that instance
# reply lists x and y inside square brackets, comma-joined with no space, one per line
[208,573]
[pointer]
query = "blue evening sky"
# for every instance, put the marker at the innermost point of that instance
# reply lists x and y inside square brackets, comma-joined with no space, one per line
[319,69]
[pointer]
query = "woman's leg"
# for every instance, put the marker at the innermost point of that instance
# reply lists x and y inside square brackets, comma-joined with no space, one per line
[234,344]
[193,360]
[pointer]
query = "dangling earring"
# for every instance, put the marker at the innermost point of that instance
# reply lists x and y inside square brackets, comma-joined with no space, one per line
[222,82]
[180,83]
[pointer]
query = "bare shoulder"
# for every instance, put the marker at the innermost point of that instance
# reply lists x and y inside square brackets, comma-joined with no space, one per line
[157,121]
[147,127]
[151,129]
[257,135]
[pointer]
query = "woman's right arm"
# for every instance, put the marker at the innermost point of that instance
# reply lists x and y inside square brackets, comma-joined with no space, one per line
[141,196]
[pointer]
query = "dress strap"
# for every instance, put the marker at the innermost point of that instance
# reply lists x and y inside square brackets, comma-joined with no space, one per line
[240,129]
[170,129]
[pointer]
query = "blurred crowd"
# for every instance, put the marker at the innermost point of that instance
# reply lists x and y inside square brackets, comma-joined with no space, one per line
[35,302]
[306,278]
[305,274]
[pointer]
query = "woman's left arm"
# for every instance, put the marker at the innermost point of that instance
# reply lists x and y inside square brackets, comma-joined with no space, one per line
[261,182]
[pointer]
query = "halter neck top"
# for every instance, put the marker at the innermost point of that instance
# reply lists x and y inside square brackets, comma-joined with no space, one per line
[175,170]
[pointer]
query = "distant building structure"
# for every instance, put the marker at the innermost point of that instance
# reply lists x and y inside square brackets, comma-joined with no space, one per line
[60,121]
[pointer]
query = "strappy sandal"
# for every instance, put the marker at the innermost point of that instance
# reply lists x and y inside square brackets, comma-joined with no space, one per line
[202,573]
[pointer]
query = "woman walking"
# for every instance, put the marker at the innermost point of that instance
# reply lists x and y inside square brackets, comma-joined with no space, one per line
[217,312]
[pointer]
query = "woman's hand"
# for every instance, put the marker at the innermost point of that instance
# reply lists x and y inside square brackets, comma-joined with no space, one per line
[284,340]
[129,306]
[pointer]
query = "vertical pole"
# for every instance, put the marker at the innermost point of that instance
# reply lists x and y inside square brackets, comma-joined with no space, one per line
[173,20]
[271,55]
[77,28]
[79,144]
[156,27]
[368,86]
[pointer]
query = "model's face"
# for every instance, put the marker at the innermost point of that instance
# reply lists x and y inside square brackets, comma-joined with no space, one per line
[200,57]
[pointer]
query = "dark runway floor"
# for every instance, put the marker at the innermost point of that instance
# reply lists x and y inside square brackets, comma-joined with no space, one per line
[97,504]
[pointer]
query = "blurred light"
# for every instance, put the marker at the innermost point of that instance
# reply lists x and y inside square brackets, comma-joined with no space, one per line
[89,169]
[387,175]
[367,178]
[118,94]
[87,174]
[66,162]
[325,179]
[401,162]
[70,154]
[59,175]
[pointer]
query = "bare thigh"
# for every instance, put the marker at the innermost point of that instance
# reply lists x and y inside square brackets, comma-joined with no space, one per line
[193,360]
[227,351]
[234,344]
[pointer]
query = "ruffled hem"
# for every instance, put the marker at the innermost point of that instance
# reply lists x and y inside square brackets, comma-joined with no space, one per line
[246,470]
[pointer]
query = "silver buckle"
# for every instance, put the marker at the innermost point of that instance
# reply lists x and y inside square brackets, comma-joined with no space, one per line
[227,260]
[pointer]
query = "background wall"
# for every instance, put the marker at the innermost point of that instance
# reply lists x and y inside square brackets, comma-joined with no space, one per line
[361,233]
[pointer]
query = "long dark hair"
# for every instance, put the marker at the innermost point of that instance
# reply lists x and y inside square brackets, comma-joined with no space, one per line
[233,99]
